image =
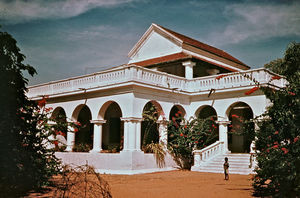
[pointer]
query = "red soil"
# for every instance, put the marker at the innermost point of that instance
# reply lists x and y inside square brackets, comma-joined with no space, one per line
[181,184]
[174,184]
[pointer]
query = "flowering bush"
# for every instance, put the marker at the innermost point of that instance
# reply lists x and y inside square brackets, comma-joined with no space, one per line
[186,135]
[277,143]
[25,161]
[54,127]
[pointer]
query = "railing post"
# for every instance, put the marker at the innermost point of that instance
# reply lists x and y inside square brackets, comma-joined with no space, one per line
[197,159]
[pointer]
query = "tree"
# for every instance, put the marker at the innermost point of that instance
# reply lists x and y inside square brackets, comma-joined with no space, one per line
[277,143]
[25,162]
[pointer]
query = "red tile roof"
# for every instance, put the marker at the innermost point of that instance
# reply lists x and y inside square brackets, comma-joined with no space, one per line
[175,57]
[168,58]
[204,46]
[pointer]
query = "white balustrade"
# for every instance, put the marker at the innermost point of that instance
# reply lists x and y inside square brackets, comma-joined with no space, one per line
[203,155]
[143,75]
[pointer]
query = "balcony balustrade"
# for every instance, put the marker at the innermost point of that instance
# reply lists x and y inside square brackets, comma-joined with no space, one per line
[132,73]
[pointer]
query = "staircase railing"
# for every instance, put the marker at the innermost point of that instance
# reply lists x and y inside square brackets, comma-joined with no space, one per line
[205,154]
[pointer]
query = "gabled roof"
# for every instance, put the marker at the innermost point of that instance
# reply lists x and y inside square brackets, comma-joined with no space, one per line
[168,58]
[203,46]
[188,46]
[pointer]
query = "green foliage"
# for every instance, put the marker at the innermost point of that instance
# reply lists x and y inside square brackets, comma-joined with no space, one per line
[186,135]
[159,152]
[25,161]
[288,66]
[277,143]
[82,147]
[149,125]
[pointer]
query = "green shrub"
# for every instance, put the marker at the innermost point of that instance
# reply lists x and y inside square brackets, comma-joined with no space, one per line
[277,143]
[186,135]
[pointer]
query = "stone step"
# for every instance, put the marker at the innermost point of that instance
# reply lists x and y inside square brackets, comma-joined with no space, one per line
[236,171]
[230,165]
[238,164]
[230,162]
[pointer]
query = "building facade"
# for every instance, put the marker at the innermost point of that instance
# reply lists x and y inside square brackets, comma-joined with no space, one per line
[169,72]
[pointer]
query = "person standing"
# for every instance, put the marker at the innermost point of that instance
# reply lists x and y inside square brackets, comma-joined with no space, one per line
[226,168]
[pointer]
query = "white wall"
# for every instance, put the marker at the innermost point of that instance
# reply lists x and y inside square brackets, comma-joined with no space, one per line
[155,46]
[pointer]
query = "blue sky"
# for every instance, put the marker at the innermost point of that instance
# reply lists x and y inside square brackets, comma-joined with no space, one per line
[65,38]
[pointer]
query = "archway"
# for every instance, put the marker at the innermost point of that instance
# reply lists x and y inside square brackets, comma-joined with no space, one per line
[113,129]
[149,129]
[84,136]
[177,111]
[59,116]
[238,142]
[208,112]
[176,114]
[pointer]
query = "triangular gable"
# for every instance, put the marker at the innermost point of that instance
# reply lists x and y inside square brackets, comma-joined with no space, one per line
[153,44]
[159,42]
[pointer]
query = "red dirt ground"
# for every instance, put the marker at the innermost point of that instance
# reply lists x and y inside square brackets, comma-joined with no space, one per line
[179,184]
[175,184]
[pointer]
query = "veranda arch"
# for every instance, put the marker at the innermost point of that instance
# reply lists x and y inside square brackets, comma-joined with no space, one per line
[152,112]
[206,111]
[177,109]
[59,116]
[113,128]
[238,113]
[84,136]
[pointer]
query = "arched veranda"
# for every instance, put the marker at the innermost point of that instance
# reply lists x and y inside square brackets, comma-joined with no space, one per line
[149,128]
[208,112]
[113,129]
[238,114]
[83,135]
[59,116]
[176,114]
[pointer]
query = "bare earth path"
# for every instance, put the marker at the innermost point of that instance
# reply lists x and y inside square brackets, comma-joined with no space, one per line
[174,184]
[179,184]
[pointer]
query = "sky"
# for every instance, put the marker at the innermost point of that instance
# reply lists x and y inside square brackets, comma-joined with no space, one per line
[66,38]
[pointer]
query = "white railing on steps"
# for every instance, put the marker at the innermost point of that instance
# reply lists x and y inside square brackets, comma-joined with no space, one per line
[205,154]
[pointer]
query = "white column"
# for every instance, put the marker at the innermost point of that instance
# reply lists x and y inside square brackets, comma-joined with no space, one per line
[163,131]
[189,69]
[223,134]
[70,139]
[97,141]
[132,134]
[138,134]
[126,129]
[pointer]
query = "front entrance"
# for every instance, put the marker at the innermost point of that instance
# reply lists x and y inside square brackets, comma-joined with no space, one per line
[238,142]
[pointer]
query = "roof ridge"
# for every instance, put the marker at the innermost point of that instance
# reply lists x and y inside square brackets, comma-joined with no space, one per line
[203,46]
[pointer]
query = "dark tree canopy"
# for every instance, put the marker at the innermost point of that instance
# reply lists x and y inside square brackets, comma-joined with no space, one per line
[289,65]
[278,136]
[25,163]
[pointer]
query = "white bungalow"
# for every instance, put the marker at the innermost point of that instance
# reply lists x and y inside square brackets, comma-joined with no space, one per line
[171,72]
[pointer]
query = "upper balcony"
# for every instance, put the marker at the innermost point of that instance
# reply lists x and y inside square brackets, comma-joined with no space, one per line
[125,74]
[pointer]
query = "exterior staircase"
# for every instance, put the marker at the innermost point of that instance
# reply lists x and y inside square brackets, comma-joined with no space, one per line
[238,164]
